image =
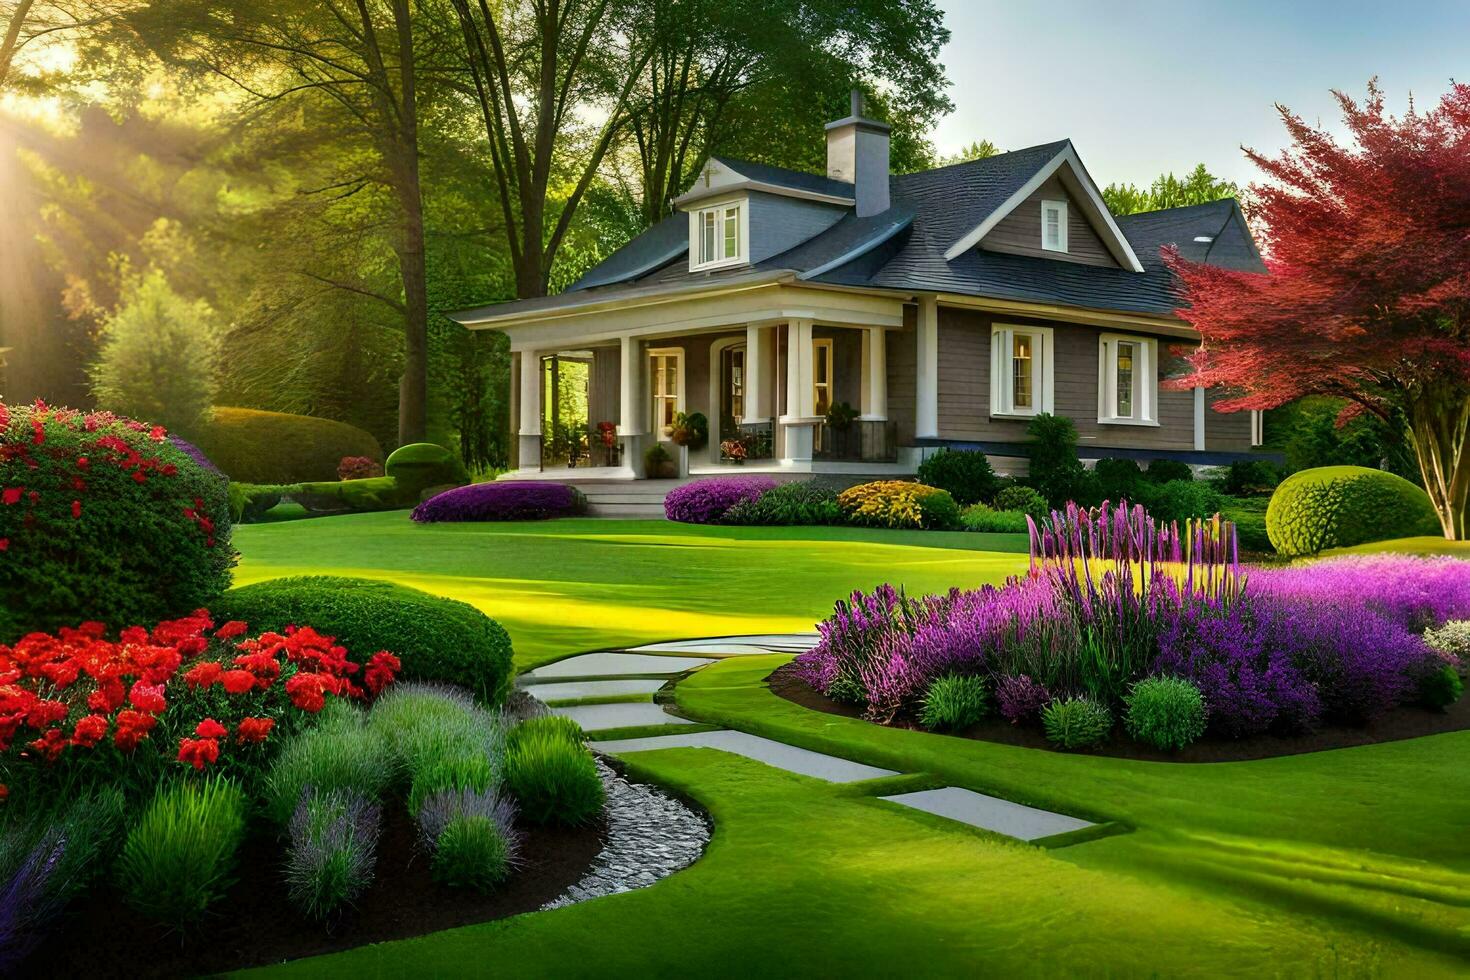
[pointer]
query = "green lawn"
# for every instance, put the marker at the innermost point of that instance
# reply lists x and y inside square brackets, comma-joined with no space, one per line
[1345,863]
[1428,545]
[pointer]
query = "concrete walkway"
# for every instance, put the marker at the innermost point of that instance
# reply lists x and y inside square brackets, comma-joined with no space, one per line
[634,670]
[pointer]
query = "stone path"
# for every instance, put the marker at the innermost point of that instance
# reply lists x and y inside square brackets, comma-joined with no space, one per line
[592,671]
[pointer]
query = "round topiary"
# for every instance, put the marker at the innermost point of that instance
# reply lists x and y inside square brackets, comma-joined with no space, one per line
[102,518]
[1340,506]
[965,473]
[275,447]
[1022,498]
[1166,712]
[420,465]
[437,639]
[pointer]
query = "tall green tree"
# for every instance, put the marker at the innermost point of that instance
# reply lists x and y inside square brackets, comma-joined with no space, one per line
[26,26]
[1199,186]
[977,150]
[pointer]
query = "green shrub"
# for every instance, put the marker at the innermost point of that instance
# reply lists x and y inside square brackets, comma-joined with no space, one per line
[1452,638]
[1022,498]
[657,463]
[179,857]
[806,502]
[437,639]
[899,504]
[965,473]
[331,851]
[351,496]
[979,517]
[1167,471]
[1076,723]
[471,852]
[1246,478]
[553,778]
[1249,516]
[1340,506]
[273,447]
[341,754]
[1056,472]
[452,769]
[421,465]
[954,703]
[440,739]
[1118,479]
[1180,500]
[1440,688]
[250,501]
[549,726]
[1165,712]
[104,521]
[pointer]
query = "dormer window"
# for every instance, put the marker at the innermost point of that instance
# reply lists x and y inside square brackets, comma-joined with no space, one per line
[718,236]
[1054,226]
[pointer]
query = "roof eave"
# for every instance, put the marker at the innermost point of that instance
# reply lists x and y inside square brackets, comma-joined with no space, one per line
[746,186]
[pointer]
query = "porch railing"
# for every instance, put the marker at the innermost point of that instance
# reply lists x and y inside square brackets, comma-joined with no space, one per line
[861,440]
[757,438]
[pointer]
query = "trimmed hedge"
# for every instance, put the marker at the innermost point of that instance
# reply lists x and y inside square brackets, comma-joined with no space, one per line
[804,503]
[421,465]
[437,639]
[965,473]
[249,502]
[253,446]
[526,500]
[1340,506]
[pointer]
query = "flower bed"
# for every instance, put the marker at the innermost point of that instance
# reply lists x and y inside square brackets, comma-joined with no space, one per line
[527,500]
[707,501]
[1114,598]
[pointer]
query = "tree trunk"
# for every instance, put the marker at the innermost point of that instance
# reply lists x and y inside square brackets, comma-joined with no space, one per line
[403,162]
[1439,423]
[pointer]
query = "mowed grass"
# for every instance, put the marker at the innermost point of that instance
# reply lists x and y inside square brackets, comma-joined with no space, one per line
[1428,545]
[564,586]
[1344,864]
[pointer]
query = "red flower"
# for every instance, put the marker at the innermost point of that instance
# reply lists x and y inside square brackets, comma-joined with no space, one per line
[132,728]
[108,697]
[169,469]
[306,691]
[198,752]
[49,745]
[382,667]
[147,697]
[89,731]
[76,509]
[45,713]
[209,728]
[157,433]
[12,495]
[203,674]
[238,681]
[140,476]
[4,544]
[230,630]
[253,729]
[83,462]
[4,790]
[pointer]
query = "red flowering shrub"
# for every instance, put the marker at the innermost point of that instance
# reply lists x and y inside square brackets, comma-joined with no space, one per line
[103,518]
[358,468]
[184,692]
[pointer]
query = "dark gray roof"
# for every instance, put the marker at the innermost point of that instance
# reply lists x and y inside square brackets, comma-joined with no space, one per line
[903,248]
[795,180]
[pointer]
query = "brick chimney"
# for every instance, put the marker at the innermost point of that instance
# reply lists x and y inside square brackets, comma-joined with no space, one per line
[857,151]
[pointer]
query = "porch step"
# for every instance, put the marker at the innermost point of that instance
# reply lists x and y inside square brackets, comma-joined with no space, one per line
[640,499]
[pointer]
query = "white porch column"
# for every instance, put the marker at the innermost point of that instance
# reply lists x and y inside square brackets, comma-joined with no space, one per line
[874,388]
[1199,419]
[755,375]
[800,417]
[926,408]
[632,408]
[530,402]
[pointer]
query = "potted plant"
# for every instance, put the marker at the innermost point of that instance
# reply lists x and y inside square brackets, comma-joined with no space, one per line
[690,429]
[734,450]
[658,464]
[607,435]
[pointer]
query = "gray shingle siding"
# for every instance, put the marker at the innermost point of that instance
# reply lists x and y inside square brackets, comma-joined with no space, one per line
[778,224]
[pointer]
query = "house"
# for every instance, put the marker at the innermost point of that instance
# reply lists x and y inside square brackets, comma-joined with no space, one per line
[853,321]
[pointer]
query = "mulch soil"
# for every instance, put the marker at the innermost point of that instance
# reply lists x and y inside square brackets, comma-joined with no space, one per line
[255,924]
[1408,722]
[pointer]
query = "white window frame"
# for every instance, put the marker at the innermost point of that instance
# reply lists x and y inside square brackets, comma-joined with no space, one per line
[822,351]
[1258,427]
[1145,380]
[656,354]
[1061,208]
[722,257]
[1043,370]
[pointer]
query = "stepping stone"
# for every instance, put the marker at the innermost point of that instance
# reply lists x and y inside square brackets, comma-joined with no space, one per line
[569,690]
[759,643]
[801,761]
[614,665]
[989,813]
[596,717]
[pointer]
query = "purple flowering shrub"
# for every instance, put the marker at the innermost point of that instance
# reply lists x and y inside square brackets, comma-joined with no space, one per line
[196,454]
[1413,592]
[1020,699]
[526,500]
[706,501]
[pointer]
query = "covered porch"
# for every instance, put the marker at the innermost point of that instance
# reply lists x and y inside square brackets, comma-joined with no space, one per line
[787,380]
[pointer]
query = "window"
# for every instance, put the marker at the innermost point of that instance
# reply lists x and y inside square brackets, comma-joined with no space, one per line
[1127,380]
[718,236]
[822,375]
[1020,370]
[666,381]
[1054,226]
[1258,428]
[737,384]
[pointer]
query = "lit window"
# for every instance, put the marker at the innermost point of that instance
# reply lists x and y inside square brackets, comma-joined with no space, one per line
[1258,428]
[1020,370]
[1127,380]
[737,384]
[666,370]
[822,375]
[717,235]
[1054,226]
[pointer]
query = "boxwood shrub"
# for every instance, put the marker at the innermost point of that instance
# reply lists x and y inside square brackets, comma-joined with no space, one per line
[1165,712]
[1339,506]
[526,500]
[103,518]
[253,446]
[437,639]
[965,473]
[804,502]
[1022,498]
[1076,723]
[979,517]
[421,465]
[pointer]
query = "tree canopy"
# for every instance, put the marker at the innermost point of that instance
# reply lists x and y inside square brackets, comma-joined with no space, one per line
[1198,186]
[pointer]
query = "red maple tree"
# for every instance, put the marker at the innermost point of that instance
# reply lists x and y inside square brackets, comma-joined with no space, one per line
[1367,294]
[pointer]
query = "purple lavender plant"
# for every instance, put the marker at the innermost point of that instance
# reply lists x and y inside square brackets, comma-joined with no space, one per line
[27,901]
[1020,699]
[706,501]
[196,454]
[1414,592]
[332,850]
[443,807]
[525,500]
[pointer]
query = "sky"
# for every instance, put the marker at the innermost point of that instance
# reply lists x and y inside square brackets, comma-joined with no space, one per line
[1144,87]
